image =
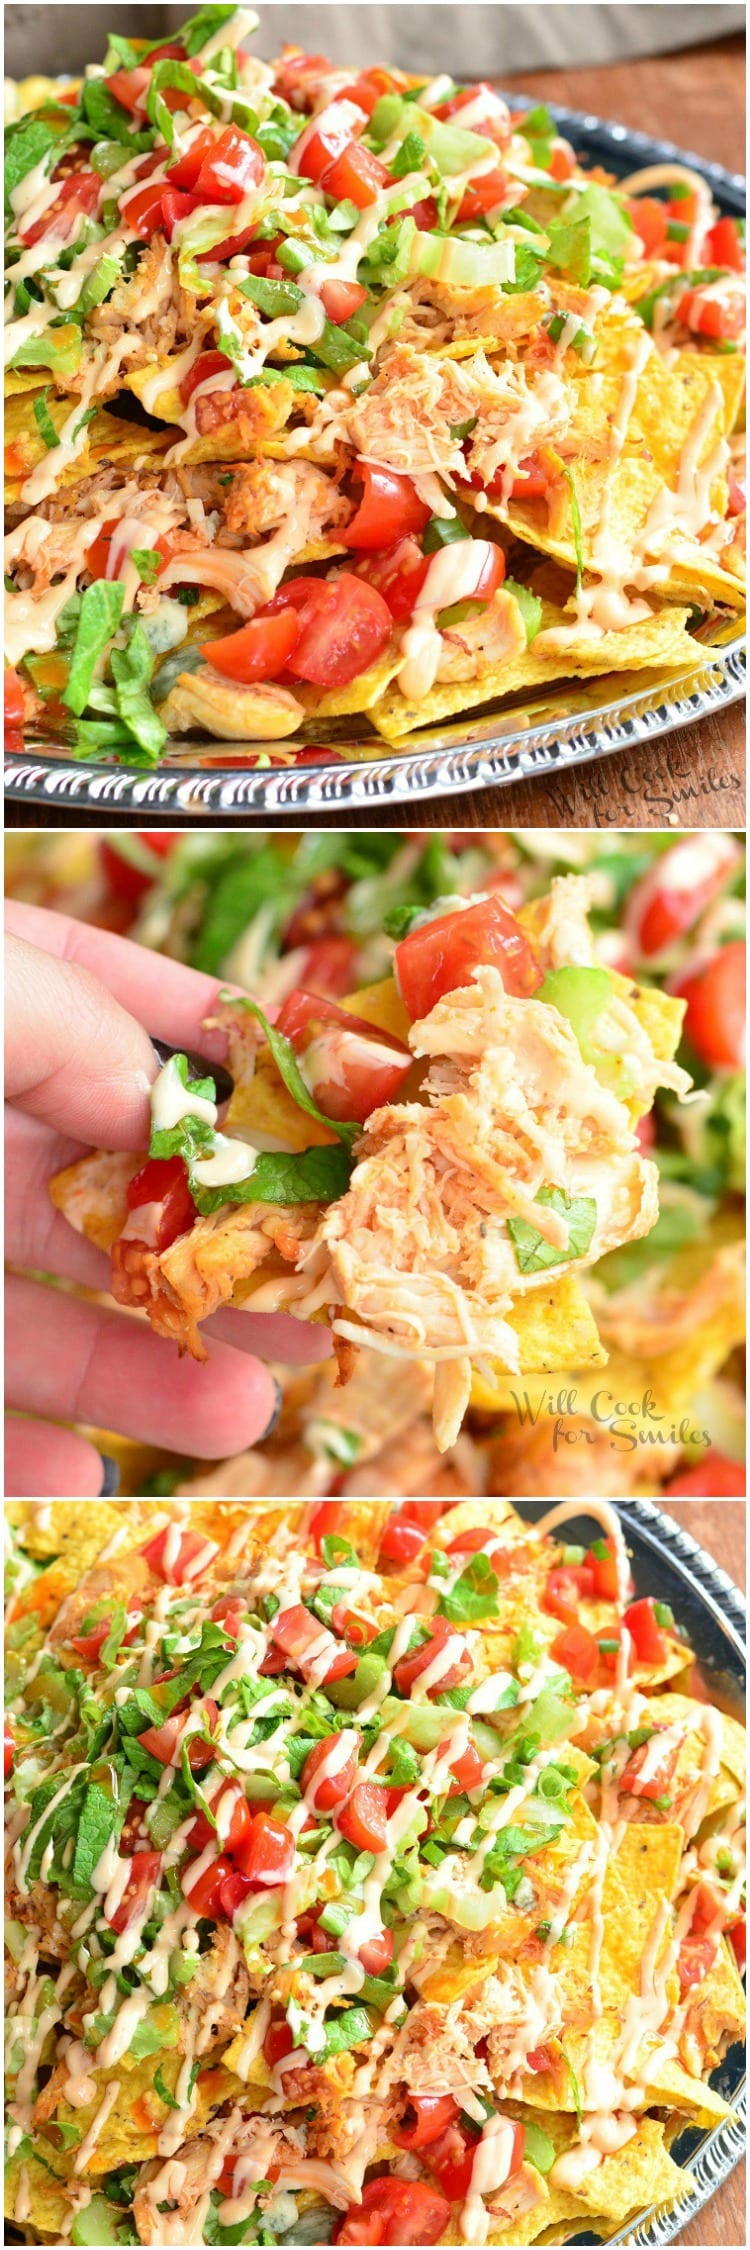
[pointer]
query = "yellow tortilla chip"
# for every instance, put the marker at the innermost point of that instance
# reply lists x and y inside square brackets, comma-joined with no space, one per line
[558,653]
[108,438]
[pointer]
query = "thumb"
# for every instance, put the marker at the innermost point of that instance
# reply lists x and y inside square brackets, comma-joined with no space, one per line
[73,1056]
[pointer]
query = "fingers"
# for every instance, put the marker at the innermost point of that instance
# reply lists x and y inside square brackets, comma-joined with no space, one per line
[44,1462]
[170,999]
[109,1370]
[36,1235]
[74,1057]
[294,1343]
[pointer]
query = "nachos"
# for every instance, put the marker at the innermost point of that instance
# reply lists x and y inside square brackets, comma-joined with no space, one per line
[336,393]
[430,1166]
[375,1876]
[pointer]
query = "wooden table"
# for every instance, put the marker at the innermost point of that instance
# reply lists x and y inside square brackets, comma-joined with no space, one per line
[719,1526]
[695,776]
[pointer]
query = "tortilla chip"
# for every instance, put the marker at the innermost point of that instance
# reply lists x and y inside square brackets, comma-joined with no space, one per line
[558,653]
[360,695]
[108,438]
[266,409]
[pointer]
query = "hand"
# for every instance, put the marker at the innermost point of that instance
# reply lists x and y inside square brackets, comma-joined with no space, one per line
[80,1005]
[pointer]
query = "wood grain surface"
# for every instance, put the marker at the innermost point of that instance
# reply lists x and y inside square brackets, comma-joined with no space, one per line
[721,1527]
[694,777]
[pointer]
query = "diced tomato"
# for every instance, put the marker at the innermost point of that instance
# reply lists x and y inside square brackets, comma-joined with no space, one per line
[326,1520]
[715,1477]
[296,1631]
[145,1869]
[9,1748]
[368,89]
[228,1613]
[298,76]
[230,167]
[170,1563]
[658,1776]
[278,2042]
[737,1938]
[471,1541]
[601,1573]
[496,126]
[737,493]
[184,173]
[377,1953]
[329,964]
[201,1834]
[335,1786]
[451,2159]
[486,193]
[426,1512]
[131,1835]
[163,1182]
[724,245]
[14,698]
[354,1628]
[266,1852]
[130,87]
[650,219]
[650,1643]
[259,651]
[425,214]
[353,1069]
[425,2118]
[356,177]
[540,2058]
[400,1541]
[410,1667]
[563,1592]
[123,879]
[441,956]
[176,207]
[98,550]
[722,320]
[342,299]
[142,209]
[89,1645]
[362,1820]
[389,510]
[325,140]
[669,898]
[233,1892]
[399,575]
[715,1015]
[531,483]
[468,1770]
[78,197]
[344,625]
[204,1895]
[164,1742]
[562,161]
[395,2211]
[578,1653]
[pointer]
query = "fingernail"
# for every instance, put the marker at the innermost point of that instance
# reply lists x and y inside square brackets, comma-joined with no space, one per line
[278,1403]
[198,1067]
[111,1483]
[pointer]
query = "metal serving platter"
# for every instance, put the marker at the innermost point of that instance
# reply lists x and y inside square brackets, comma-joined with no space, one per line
[568,726]
[712,1616]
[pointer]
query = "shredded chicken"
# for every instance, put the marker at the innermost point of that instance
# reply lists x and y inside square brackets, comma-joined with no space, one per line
[180,1287]
[149,304]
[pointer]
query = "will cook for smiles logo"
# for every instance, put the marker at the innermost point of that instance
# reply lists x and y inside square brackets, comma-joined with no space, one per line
[631,1423]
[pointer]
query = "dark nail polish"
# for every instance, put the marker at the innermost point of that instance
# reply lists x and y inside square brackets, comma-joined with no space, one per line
[278,1403]
[198,1067]
[111,1483]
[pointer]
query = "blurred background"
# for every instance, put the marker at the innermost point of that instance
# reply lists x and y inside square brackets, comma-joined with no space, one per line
[479,41]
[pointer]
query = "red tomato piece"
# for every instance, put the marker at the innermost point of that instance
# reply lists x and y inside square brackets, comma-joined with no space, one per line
[229,1614]
[163,1181]
[468,1770]
[563,1592]
[78,197]
[342,299]
[344,626]
[401,1542]
[426,1512]
[14,698]
[201,1834]
[354,1069]
[600,1573]
[266,1853]
[88,1645]
[356,177]
[695,1958]
[671,896]
[278,2042]
[175,1568]
[295,1632]
[130,87]
[724,246]
[562,161]
[325,1520]
[142,210]
[650,218]
[440,956]
[395,2211]
[9,1748]
[737,1938]
[329,964]
[715,1477]
[578,1653]
[425,2118]
[204,1895]
[410,1667]
[145,1869]
[175,207]
[123,879]
[650,1643]
[377,1953]
[184,173]
[721,320]
[259,651]
[335,1786]
[399,575]
[232,165]
[362,1820]
[325,140]
[531,483]
[368,89]
[451,2159]
[486,193]
[164,1742]
[389,510]
[715,1014]
[352,1627]
[298,76]
[658,1777]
